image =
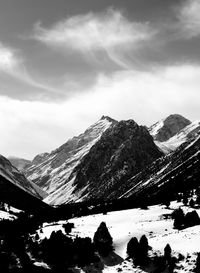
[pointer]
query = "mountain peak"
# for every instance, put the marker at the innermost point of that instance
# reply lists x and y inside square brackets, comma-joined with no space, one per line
[176,117]
[168,127]
[107,118]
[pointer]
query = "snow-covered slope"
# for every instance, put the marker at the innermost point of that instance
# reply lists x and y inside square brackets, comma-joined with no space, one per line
[167,128]
[123,225]
[53,170]
[181,137]
[16,190]
[8,171]
[94,164]
[113,159]
[168,175]
[123,150]
[173,131]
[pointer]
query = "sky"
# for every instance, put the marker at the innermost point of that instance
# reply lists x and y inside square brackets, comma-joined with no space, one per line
[65,63]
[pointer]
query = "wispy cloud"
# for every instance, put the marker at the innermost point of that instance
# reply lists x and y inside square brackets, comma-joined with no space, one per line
[108,31]
[8,59]
[189,17]
[146,97]
[12,64]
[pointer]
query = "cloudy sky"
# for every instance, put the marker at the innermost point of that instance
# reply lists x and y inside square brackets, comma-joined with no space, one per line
[65,63]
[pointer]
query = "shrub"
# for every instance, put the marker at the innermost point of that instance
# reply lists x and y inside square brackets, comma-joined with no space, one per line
[178,216]
[68,227]
[192,203]
[144,246]
[192,219]
[167,252]
[103,240]
[132,248]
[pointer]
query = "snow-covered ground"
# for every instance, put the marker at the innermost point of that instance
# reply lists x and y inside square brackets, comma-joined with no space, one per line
[6,216]
[125,224]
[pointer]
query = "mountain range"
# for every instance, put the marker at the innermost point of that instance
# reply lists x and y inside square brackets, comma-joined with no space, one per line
[118,159]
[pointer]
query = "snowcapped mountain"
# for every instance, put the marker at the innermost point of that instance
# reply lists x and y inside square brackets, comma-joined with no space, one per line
[16,190]
[173,131]
[181,137]
[176,172]
[123,149]
[117,159]
[94,164]
[167,128]
[51,171]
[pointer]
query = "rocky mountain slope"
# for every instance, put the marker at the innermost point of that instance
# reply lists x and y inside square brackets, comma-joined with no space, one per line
[176,172]
[123,150]
[116,159]
[17,191]
[167,128]
[94,163]
[173,131]
[52,171]
[20,163]
[181,137]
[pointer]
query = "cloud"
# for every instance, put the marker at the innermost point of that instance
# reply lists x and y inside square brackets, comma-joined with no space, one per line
[12,64]
[8,59]
[145,97]
[189,19]
[108,31]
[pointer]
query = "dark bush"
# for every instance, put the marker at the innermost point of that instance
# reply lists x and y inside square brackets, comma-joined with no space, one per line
[178,216]
[192,203]
[192,219]
[159,263]
[133,248]
[103,240]
[144,246]
[167,252]
[68,227]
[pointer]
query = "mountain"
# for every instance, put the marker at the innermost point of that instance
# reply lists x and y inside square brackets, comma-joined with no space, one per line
[167,128]
[20,163]
[114,159]
[52,170]
[17,191]
[95,163]
[164,178]
[181,137]
[123,149]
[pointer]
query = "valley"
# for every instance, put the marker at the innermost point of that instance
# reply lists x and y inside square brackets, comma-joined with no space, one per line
[128,176]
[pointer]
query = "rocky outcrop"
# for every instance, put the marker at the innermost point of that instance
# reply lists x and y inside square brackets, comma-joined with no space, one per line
[39,159]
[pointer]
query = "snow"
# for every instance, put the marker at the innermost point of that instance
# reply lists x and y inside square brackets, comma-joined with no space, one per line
[123,225]
[6,216]
[58,166]
[174,142]
[154,129]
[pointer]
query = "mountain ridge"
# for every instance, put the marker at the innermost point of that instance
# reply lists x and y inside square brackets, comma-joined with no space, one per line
[100,162]
[116,143]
